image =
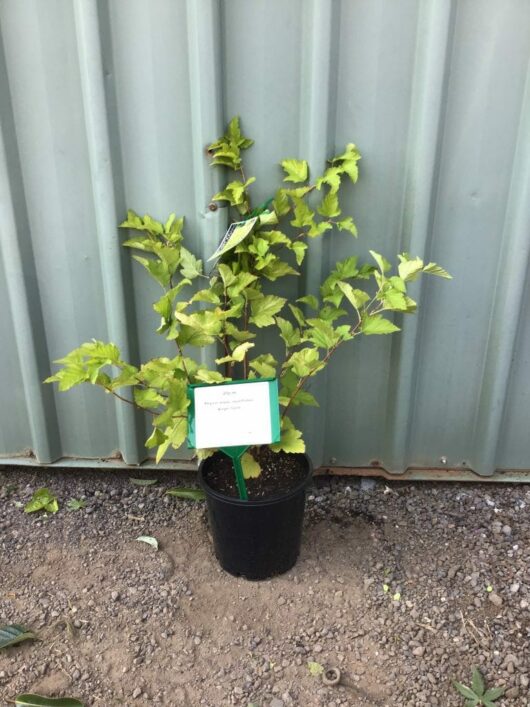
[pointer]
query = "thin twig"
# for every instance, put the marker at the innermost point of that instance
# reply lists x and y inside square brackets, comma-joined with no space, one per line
[131,402]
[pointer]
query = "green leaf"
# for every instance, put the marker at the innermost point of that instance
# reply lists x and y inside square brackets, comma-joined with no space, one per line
[239,283]
[296,170]
[13,634]
[238,354]
[299,250]
[32,700]
[320,333]
[267,217]
[206,376]
[305,362]
[303,215]
[234,192]
[409,268]
[477,683]
[315,669]
[291,440]
[382,263]
[42,500]
[143,482]
[76,504]
[251,468]
[330,205]
[298,315]
[310,300]
[190,494]
[465,691]
[331,177]
[265,365]
[433,269]
[191,267]
[289,383]
[147,398]
[264,308]
[377,324]
[281,203]
[205,322]
[190,336]
[278,268]
[394,300]
[398,283]
[494,693]
[156,438]
[357,298]
[288,333]
[149,540]
[158,269]
[208,295]
[317,229]
[347,224]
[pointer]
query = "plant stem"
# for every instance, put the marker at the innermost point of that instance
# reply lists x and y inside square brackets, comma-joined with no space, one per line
[320,364]
[131,402]
[184,368]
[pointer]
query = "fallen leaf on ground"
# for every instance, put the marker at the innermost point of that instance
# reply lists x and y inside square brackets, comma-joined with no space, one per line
[192,494]
[149,540]
[10,635]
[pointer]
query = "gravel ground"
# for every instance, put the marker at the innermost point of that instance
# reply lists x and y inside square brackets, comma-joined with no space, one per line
[391,588]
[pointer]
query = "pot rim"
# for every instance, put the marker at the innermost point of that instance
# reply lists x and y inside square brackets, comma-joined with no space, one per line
[258,502]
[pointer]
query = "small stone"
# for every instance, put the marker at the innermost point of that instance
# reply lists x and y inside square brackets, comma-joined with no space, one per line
[318,648]
[281,601]
[115,596]
[515,588]
[275,702]
[525,681]
[512,693]
[418,651]
[506,530]
[136,693]
[495,599]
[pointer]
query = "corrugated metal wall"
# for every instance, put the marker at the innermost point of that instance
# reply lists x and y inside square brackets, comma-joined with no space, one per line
[108,105]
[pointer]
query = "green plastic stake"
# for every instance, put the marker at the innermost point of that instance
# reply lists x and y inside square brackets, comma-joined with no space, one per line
[235,454]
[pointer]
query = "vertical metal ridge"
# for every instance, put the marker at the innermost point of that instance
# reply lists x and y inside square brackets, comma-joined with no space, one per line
[205,74]
[315,128]
[508,299]
[101,172]
[434,41]
[22,287]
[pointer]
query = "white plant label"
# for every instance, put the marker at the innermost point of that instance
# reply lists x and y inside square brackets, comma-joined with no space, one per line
[233,415]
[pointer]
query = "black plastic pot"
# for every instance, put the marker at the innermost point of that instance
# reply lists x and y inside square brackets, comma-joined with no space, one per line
[256,539]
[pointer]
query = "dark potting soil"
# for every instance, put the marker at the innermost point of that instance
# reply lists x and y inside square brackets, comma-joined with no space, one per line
[280,473]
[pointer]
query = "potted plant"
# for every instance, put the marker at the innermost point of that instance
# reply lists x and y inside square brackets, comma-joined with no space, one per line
[234,310]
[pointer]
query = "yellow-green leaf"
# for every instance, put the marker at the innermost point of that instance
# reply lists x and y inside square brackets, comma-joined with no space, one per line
[251,468]
[296,170]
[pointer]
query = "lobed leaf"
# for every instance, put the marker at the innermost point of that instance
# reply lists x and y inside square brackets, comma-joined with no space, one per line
[296,170]
[251,468]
